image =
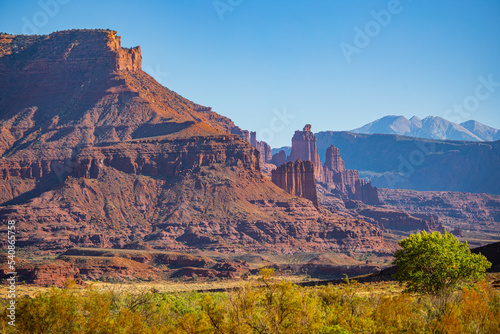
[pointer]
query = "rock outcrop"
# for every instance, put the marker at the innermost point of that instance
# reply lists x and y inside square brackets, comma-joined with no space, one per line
[96,153]
[279,158]
[347,182]
[165,157]
[243,134]
[475,216]
[297,178]
[333,161]
[263,147]
[54,273]
[304,148]
[400,220]
[333,175]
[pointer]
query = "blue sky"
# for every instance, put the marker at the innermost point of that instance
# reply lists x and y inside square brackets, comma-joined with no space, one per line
[272,66]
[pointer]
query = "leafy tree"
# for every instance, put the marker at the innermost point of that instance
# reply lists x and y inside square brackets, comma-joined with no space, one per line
[437,264]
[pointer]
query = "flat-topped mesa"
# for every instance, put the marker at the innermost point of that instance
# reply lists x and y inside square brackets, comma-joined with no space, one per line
[297,178]
[69,50]
[304,148]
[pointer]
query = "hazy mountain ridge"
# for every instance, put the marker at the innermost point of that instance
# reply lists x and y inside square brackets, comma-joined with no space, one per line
[431,127]
[401,162]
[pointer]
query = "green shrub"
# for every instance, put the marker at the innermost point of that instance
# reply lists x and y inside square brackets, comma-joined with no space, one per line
[271,306]
[437,264]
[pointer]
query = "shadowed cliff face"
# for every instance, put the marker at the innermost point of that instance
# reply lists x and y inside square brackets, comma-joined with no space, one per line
[96,153]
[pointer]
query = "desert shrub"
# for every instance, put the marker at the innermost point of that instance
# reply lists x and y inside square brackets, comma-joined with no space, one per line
[270,306]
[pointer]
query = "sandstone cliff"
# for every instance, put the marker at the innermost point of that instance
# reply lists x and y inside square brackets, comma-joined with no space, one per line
[263,147]
[304,148]
[297,178]
[347,182]
[96,153]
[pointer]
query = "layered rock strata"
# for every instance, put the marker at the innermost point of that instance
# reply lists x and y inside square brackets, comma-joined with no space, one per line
[96,153]
[297,178]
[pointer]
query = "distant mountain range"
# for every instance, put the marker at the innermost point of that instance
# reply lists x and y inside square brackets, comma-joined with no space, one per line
[400,162]
[431,127]
[403,162]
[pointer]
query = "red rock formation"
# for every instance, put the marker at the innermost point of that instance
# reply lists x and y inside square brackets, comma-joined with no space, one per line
[168,159]
[95,268]
[279,158]
[333,161]
[56,273]
[297,178]
[96,153]
[243,134]
[304,148]
[253,139]
[365,192]
[333,174]
[479,214]
[346,182]
[263,147]
[265,151]
[400,220]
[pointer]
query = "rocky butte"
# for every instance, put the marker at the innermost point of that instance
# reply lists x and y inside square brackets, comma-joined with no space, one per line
[332,175]
[304,148]
[96,153]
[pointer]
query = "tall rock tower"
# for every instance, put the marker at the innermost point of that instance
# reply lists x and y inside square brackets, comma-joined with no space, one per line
[304,148]
[297,178]
[333,161]
[263,147]
[345,181]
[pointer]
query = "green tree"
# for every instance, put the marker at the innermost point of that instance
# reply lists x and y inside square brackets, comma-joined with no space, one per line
[437,264]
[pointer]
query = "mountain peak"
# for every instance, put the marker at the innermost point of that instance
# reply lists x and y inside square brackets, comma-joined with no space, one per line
[485,132]
[431,127]
[391,124]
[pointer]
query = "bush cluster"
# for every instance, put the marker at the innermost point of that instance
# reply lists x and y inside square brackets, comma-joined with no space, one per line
[271,307]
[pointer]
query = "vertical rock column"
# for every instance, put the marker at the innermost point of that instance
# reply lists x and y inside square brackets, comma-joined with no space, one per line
[304,148]
[297,178]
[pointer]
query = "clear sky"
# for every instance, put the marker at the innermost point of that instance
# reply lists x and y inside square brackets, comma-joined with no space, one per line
[274,65]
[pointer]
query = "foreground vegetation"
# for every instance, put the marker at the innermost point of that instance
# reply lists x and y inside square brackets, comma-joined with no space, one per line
[269,307]
[437,264]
